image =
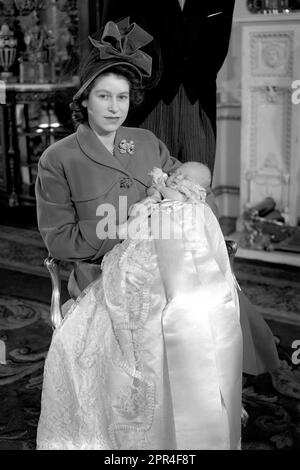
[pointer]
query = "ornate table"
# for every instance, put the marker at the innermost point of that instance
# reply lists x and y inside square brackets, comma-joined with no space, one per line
[34,116]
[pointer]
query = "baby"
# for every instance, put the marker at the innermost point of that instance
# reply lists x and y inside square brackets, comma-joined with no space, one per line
[191,181]
[188,183]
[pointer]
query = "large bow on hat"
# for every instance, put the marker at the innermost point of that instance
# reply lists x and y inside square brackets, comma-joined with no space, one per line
[123,41]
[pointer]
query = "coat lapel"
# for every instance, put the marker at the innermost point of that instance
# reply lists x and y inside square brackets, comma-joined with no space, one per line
[93,148]
[128,133]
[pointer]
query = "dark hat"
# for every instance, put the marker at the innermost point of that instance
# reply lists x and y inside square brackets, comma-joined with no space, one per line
[120,44]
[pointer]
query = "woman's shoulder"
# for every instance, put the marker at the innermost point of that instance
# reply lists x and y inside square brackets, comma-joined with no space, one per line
[138,134]
[58,150]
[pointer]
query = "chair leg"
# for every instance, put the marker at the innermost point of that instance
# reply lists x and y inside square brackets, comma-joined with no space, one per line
[55,310]
[232,247]
[244,417]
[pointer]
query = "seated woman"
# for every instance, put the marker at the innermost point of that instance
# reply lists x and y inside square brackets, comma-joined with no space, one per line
[103,162]
[150,357]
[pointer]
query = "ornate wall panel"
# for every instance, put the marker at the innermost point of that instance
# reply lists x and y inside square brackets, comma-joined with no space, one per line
[272,54]
[269,142]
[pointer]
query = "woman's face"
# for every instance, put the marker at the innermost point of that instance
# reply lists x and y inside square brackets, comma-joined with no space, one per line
[108,103]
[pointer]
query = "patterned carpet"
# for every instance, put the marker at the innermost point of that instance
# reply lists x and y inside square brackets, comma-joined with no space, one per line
[274,289]
[25,335]
[274,419]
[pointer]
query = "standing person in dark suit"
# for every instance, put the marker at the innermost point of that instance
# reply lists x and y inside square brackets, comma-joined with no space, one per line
[193,37]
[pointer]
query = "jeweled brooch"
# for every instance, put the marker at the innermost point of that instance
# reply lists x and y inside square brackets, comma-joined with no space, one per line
[126,147]
[125,182]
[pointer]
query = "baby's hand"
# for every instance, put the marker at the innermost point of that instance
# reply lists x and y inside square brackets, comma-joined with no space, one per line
[173,194]
[154,193]
[158,176]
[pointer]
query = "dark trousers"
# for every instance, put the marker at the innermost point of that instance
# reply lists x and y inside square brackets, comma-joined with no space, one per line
[184,128]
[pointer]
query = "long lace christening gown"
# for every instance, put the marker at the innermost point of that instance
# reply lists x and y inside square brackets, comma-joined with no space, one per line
[128,369]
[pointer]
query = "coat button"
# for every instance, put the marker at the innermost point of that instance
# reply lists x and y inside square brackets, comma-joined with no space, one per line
[125,182]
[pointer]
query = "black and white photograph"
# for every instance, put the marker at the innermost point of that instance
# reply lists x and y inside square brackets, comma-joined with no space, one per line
[150,227]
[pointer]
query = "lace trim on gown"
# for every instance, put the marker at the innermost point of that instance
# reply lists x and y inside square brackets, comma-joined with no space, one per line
[81,406]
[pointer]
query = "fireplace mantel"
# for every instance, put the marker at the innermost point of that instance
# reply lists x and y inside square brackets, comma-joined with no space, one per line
[266,18]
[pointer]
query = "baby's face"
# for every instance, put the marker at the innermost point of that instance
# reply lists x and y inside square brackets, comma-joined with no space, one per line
[193,171]
[174,177]
[184,172]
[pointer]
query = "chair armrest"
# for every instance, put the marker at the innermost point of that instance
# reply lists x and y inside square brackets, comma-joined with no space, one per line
[232,247]
[55,310]
[244,417]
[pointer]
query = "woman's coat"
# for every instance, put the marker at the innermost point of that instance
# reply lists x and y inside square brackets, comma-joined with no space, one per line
[76,176]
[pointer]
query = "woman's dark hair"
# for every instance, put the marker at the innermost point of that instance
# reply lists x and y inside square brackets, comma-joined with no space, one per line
[79,112]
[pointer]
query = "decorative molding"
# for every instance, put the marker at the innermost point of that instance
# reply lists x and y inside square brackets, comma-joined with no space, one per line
[228,118]
[223,189]
[228,111]
[271,54]
[269,125]
[253,129]
[271,96]
[228,106]
[245,17]
[269,174]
